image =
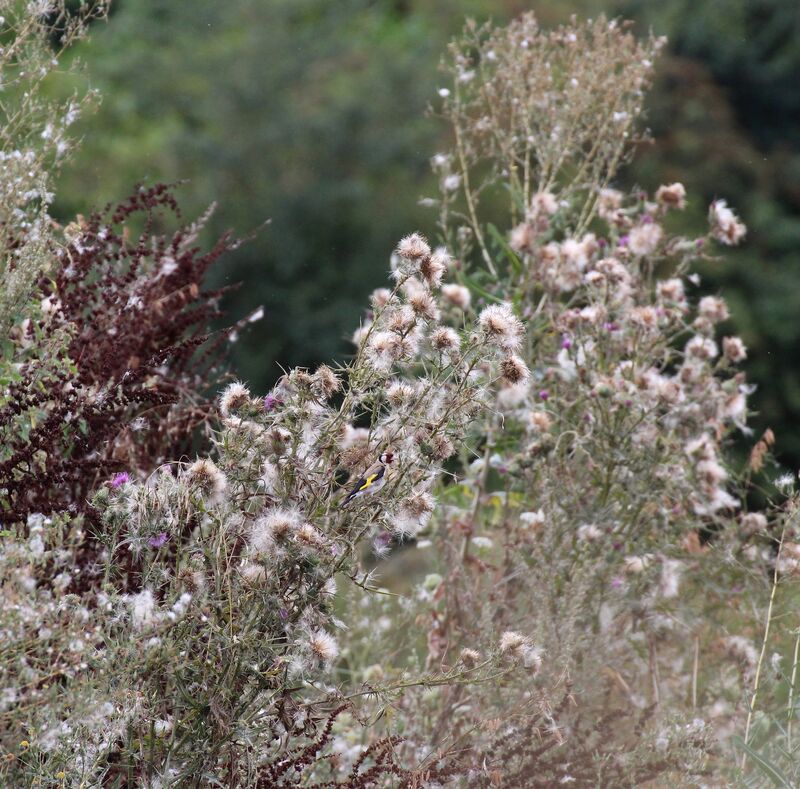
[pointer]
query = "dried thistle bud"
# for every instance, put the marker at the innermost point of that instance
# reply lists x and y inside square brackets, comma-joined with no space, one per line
[235,397]
[469,657]
[725,225]
[520,648]
[278,440]
[540,421]
[713,308]
[672,196]
[734,349]
[432,268]
[445,339]
[300,379]
[441,447]
[324,382]
[514,370]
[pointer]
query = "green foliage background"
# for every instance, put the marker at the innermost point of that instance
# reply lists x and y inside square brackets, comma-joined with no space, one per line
[312,114]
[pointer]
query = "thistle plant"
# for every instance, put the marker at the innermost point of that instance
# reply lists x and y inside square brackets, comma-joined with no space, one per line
[229,564]
[595,511]
[557,398]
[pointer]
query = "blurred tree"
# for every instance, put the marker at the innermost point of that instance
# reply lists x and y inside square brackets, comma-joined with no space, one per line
[305,112]
[311,114]
[725,115]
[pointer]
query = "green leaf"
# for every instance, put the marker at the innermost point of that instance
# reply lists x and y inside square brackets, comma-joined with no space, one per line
[472,285]
[770,770]
[512,256]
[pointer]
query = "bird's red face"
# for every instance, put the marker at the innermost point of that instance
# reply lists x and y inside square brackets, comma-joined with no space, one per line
[387,457]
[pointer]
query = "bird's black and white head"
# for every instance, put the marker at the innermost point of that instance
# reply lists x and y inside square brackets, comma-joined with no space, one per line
[386,457]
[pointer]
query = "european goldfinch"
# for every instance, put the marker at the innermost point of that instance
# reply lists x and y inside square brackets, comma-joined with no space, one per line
[373,479]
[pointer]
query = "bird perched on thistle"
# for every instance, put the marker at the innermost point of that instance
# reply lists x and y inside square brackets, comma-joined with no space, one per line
[373,479]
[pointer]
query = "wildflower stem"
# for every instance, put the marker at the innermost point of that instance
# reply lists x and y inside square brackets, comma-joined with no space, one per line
[462,158]
[767,624]
[790,702]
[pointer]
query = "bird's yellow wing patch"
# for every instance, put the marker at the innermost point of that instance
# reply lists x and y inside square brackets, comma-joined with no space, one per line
[368,481]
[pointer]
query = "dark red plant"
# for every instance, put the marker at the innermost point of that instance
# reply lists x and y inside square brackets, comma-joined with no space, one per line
[132,385]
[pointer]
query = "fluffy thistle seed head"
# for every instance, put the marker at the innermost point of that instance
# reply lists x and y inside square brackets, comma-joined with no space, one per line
[644,239]
[322,646]
[280,524]
[205,476]
[413,247]
[470,657]
[671,290]
[424,306]
[324,382]
[308,537]
[501,327]
[713,308]
[402,320]
[445,339]
[235,397]
[380,298]
[399,393]
[457,295]
[441,447]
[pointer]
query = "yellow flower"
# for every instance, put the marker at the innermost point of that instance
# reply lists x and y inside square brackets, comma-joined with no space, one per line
[25,744]
[61,775]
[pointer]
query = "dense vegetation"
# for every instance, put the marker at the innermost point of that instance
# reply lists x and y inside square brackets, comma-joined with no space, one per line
[259,104]
[555,574]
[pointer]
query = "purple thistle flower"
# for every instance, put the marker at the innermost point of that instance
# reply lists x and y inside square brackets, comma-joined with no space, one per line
[566,342]
[283,614]
[699,242]
[610,326]
[120,479]
[617,582]
[647,219]
[543,394]
[270,402]
[159,540]
[623,241]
